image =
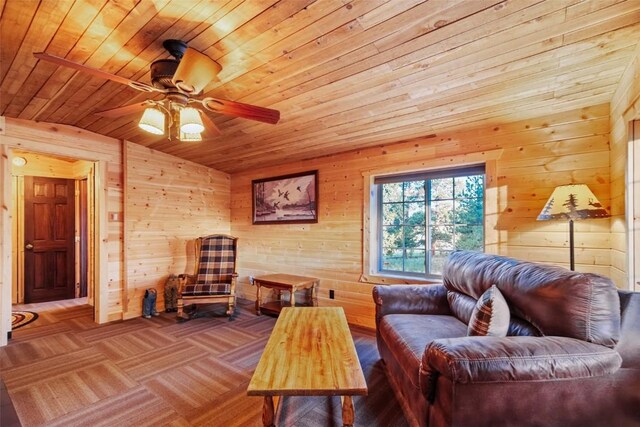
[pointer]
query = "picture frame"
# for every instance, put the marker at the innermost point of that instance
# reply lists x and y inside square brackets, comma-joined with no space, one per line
[286,199]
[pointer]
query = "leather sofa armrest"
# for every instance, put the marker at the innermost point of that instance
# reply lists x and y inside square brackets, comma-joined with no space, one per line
[410,299]
[493,359]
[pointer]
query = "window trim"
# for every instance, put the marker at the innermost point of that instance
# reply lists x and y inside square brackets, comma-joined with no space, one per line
[426,177]
[492,236]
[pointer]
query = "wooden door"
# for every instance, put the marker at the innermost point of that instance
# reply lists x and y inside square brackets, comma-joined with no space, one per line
[49,258]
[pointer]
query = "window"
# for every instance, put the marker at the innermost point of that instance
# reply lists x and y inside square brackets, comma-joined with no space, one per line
[425,216]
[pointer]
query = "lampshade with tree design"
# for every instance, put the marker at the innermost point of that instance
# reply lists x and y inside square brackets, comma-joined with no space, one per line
[572,202]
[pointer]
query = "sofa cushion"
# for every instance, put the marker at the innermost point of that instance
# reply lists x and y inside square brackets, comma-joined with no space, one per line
[555,300]
[407,336]
[490,316]
[462,307]
[494,359]
[521,328]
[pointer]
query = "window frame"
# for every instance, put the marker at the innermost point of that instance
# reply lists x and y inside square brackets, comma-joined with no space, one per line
[427,177]
[493,236]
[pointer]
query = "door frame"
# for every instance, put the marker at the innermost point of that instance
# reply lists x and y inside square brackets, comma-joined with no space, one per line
[80,172]
[633,205]
[97,245]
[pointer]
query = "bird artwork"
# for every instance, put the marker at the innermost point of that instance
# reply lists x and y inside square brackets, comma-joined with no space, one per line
[288,199]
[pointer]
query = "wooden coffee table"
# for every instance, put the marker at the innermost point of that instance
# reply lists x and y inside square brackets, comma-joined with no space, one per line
[287,283]
[310,353]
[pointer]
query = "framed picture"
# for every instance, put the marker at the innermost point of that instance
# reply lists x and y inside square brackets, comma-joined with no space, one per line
[286,199]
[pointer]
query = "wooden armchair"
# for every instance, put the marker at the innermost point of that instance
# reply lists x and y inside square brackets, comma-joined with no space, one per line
[215,274]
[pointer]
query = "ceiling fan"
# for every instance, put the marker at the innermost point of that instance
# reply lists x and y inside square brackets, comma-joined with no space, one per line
[180,79]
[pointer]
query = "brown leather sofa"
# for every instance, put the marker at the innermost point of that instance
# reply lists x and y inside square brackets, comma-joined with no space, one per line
[571,357]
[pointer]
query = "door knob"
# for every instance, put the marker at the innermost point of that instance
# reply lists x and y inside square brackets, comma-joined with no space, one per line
[28,246]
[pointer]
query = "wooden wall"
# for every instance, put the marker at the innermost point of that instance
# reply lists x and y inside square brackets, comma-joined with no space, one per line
[5,239]
[625,106]
[538,154]
[105,152]
[169,203]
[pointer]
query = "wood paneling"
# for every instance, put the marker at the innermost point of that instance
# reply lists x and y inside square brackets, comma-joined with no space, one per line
[68,142]
[345,74]
[623,110]
[537,154]
[7,252]
[169,203]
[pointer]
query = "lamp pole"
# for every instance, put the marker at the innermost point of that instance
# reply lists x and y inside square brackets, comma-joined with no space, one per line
[572,260]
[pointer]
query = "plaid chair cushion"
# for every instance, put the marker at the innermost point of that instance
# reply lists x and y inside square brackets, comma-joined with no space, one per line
[208,289]
[217,261]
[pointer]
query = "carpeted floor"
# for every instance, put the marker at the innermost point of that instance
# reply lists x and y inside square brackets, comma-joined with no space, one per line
[68,371]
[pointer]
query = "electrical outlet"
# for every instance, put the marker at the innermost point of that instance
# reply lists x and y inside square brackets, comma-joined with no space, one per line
[251,280]
[332,294]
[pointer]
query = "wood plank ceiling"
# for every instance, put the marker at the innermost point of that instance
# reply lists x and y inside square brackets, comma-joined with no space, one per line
[344,74]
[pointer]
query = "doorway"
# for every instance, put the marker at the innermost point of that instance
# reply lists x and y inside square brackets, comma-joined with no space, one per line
[60,141]
[51,239]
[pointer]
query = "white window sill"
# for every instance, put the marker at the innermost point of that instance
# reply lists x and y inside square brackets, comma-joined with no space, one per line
[390,279]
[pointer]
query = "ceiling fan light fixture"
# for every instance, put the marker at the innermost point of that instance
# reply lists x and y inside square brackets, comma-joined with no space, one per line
[195,71]
[190,137]
[152,121]
[190,121]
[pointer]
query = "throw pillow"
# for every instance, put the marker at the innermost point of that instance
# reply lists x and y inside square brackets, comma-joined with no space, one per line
[490,316]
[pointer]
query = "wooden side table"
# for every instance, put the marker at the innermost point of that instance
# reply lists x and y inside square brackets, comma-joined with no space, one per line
[288,283]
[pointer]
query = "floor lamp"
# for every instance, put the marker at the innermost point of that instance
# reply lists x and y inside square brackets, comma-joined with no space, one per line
[572,202]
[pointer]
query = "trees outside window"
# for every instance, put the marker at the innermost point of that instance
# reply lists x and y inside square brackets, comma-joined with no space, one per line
[424,217]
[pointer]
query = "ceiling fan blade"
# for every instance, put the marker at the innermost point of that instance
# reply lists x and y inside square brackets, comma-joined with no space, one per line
[97,73]
[209,125]
[239,109]
[195,71]
[123,111]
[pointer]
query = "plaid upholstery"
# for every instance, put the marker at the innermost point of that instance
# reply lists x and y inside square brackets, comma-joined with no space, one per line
[195,289]
[216,266]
